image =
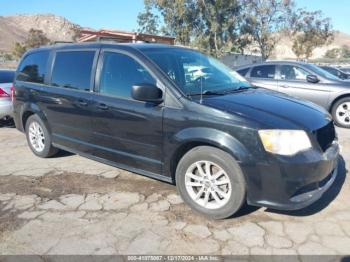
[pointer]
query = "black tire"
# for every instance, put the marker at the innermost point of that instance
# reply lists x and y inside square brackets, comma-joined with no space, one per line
[231,168]
[336,119]
[48,150]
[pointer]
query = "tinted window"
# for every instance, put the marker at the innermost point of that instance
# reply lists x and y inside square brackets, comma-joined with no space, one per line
[243,72]
[72,69]
[33,67]
[265,71]
[289,72]
[6,76]
[335,72]
[330,70]
[119,73]
[321,72]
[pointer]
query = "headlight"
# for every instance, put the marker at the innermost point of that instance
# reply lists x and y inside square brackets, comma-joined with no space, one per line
[284,142]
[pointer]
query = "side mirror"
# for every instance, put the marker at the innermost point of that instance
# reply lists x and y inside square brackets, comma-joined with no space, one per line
[147,93]
[312,79]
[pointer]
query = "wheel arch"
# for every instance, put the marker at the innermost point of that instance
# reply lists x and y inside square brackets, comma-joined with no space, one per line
[335,100]
[194,137]
[29,110]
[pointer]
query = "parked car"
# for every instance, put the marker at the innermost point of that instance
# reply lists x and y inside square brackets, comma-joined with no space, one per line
[306,81]
[345,70]
[6,85]
[220,140]
[337,72]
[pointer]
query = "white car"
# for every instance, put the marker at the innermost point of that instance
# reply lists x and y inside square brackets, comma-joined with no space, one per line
[6,89]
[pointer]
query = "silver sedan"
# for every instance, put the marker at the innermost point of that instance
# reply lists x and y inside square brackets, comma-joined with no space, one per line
[305,81]
[6,85]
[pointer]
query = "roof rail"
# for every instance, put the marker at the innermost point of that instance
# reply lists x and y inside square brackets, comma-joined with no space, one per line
[63,42]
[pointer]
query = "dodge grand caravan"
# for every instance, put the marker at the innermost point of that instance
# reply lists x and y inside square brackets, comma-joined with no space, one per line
[176,115]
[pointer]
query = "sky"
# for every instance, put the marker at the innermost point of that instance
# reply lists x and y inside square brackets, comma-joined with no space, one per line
[121,14]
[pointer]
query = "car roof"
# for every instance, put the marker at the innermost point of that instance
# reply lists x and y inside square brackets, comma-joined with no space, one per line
[139,46]
[7,70]
[273,62]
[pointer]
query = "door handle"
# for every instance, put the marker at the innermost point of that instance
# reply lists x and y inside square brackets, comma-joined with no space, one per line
[284,86]
[82,102]
[103,106]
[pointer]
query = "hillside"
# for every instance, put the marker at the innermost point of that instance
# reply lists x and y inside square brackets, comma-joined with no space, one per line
[15,28]
[284,47]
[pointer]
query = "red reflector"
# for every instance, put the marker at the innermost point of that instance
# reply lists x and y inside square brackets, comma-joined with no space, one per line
[13,93]
[3,93]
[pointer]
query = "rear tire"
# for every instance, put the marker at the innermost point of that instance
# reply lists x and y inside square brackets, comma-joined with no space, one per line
[39,138]
[341,112]
[211,182]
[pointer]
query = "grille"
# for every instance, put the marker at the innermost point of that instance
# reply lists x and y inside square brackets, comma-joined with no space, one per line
[325,136]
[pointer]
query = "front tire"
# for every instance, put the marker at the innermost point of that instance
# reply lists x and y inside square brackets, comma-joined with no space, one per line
[39,138]
[211,182]
[341,112]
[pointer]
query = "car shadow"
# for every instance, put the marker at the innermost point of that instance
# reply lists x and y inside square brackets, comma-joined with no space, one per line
[325,200]
[245,210]
[7,123]
[61,153]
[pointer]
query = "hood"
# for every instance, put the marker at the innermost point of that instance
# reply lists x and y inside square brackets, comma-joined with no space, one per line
[271,109]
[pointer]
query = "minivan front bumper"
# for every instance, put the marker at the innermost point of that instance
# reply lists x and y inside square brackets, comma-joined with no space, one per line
[290,183]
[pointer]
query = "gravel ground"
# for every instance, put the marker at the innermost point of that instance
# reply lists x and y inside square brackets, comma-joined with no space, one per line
[72,205]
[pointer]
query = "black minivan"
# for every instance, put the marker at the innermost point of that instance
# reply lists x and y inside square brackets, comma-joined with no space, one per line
[174,114]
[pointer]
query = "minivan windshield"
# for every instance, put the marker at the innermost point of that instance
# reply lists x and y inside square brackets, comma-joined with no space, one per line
[195,73]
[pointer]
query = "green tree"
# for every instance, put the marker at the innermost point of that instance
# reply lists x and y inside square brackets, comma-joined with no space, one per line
[310,30]
[18,50]
[333,53]
[218,25]
[179,18]
[34,39]
[8,57]
[210,25]
[264,20]
[148,22]
[345,51]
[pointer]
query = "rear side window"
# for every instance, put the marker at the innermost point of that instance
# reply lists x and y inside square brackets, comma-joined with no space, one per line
[72,69]
[243,72]
[33,67]
[265,71]
[119,73]
[6,76]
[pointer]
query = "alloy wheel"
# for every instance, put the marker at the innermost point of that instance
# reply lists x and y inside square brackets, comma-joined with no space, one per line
[208,184]
[36,136]
[343,113]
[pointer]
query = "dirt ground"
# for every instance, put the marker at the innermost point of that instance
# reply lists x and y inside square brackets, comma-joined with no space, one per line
[72,205]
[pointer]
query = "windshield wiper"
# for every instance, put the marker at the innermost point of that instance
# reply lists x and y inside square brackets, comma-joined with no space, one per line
[238,89]
[222,92]
[209,93]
